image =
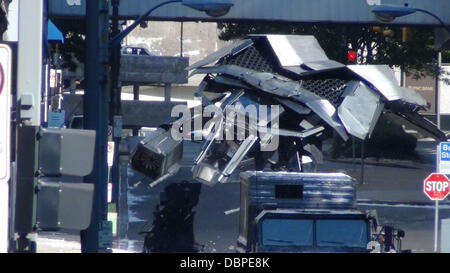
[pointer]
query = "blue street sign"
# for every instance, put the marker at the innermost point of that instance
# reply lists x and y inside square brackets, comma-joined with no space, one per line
[445,151]
[56,119]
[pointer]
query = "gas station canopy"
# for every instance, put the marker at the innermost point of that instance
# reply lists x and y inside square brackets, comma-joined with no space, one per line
[320,11]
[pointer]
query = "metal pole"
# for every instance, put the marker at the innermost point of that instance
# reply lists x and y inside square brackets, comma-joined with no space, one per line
[167,92]
[436,208]
[435,17]
[30,56]
[136,98]
[96,116]
[115,64]
[437,92]
[181,38]
[116,101]
[115,105]
[362,161]
[29,88]
[117,38]
[353,152]
[436,226]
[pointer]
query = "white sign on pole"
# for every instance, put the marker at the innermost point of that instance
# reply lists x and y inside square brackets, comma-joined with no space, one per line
[444,92]
[442,166]
[110,153]
[5,133]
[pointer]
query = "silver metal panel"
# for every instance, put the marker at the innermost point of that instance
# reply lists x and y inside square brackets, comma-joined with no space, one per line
[326,111]
[411,96]
[153,69]
[228,81]
[360,111]
[295,50]
[279,86]
[147,113]
[239,106]
[76,202]
[157,156]
[283,132]
[66,151]
[329,11]
[296,107]
[295,69]
[323,65]
[135,113]
[273,84]
[231,49]
[206,174]
[64,205]
[330,190]
[50,152]
[383,78]
[77,152]
[208,142]
[239,155]
[265,81]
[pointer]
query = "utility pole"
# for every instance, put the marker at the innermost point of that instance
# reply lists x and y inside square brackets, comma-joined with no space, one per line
[115,104]
[29,88]
[96,117]
[437,91]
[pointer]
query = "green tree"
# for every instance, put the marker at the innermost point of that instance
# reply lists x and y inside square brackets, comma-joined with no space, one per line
[3,16]
[375,45]
[74,43]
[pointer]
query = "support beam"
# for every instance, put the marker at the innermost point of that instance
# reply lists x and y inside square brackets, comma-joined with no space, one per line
[116,101]
[136,98]
[436,88]
[96,116]
[29,92]
[344,11]
[30,60]
[167,92]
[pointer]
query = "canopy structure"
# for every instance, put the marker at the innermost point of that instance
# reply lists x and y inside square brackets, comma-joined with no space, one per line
[53,33]
[318,11]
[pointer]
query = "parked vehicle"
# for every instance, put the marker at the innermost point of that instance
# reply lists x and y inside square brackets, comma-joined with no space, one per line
[308,212]
[136,50]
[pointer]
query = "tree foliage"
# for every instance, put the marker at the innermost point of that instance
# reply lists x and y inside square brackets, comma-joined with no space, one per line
[3,16]
[410,48]
[74,43]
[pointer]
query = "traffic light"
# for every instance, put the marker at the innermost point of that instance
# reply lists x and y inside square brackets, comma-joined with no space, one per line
[352,57]
[49,192]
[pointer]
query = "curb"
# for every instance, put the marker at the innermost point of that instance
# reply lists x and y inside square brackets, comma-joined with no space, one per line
[406,165]
[400,203]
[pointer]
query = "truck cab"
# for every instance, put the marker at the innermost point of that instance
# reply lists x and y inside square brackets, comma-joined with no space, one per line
[308,212]
[312,230]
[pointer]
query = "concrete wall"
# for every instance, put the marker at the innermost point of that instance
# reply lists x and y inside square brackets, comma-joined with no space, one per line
[164,39]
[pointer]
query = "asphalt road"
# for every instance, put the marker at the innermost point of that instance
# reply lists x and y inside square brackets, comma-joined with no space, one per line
[399,202]
[396,194]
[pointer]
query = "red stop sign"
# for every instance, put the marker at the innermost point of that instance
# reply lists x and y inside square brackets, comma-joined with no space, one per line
[436,186]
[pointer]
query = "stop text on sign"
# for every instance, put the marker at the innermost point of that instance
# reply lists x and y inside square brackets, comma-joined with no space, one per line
[436,186]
